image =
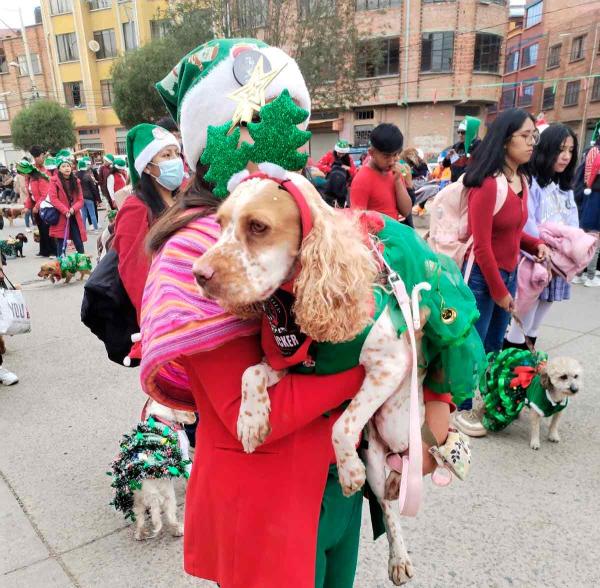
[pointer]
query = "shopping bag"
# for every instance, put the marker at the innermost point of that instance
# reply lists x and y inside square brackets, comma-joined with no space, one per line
[14,314]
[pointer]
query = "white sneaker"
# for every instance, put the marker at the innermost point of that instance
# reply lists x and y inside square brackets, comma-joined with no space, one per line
[8,378]
[593,283]
[469,422]
[579,279]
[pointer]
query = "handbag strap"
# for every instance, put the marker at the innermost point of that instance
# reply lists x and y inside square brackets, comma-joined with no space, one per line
[6,280]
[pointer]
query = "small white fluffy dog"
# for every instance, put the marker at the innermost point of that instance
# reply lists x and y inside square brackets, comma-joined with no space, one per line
[561,378]
[158,495]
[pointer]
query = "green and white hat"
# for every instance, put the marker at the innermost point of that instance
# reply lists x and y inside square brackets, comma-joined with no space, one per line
[196,91]
[144,141]
[471,128]
[84,163]
[60,159]
[109,158]
[64,154]
[120,163]
[596,134]
[50,163]
[342,147]
[25,167]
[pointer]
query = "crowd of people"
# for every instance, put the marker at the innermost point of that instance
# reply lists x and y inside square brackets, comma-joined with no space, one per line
[193,353]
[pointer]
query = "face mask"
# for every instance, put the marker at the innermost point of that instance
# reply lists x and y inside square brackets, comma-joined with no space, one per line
[171,173]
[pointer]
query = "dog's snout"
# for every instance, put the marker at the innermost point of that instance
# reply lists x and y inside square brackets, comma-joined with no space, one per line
[203,273]
[574,388]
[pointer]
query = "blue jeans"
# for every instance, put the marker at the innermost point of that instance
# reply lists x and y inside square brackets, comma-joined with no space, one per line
[89,211]
[493,320]
[27,217]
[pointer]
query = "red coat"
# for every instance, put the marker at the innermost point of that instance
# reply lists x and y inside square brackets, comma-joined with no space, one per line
[327,160]
[251,520]
[58,199]
[37,190]
[131,228]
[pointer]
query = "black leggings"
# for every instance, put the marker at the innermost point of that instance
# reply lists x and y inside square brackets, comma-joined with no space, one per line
[74,235]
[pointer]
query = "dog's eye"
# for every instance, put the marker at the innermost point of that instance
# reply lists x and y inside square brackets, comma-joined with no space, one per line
[564,377]
[256,227]
[576,376]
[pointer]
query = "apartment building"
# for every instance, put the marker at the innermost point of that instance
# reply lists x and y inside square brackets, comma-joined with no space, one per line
[551,63]
[441,61]
[84,38]
[17,86]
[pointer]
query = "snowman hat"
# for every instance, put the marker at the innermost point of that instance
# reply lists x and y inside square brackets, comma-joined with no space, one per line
[108,158]
[144,141]
[196,90]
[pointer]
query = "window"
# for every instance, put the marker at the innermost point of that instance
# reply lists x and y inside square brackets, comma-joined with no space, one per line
[437,51]
[554,56]
[106,39]
[121,136]
[596,90]
[487,52]
[130,35]
[106,89]
[379,58]
[577,48]
[99,4]
[526,93]
[252,14]
[376,4]
[60,6]
[66,46]
[3,110]
[35,64]
[362,135]
[512,61]
[508,98]
[93,144]
[74,94]
[572,93]
[366,114]
[316,7]
[3,62]
[530,55]
[534,15]
[159,28]
[548,99]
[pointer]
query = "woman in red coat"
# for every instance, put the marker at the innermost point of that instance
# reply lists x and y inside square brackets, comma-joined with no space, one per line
[67,197]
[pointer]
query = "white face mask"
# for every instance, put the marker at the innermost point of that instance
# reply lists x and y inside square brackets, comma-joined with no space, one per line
[171,173]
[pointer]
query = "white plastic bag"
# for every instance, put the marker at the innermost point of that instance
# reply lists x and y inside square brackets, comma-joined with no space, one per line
[14,314]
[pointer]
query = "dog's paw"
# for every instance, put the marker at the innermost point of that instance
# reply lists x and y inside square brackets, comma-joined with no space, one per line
[252,428]
[142,534]
[352,474]
[554,437]
[534,444]
[400,569]
[176,530]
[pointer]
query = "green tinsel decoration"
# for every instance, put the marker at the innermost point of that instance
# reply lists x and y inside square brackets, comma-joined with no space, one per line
[75,262]
[151,450]
[503,402]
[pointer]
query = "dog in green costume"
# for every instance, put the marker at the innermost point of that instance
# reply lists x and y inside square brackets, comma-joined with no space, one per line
[314,272]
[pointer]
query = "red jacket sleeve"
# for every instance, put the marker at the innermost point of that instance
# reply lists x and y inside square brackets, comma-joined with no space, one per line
[295,401]
[360,192]
[594,171]
[131,230]
[325,162]
[55,200]
[482,201]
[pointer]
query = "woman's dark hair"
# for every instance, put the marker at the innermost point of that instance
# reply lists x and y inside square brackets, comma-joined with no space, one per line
[546,153]
[194,201]
[146,191]
[69,184]
[489,158]
[344,158]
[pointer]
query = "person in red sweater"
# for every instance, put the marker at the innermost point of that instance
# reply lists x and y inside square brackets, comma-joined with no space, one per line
[497,239]
[156,172]
[103,173]
[379,185]
[340,153]
[66,196]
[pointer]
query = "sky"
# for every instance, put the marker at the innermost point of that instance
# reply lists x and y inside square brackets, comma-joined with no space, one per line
[10,15]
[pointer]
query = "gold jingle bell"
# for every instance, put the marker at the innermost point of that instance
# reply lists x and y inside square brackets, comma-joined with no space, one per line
[448,316]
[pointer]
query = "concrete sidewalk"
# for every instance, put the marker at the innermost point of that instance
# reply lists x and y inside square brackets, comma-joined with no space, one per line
[524,518]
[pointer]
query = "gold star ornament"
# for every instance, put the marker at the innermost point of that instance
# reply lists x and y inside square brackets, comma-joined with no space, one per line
[250,98]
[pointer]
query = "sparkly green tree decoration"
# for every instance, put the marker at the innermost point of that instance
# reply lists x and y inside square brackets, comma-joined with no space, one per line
[223,157]
[277,137]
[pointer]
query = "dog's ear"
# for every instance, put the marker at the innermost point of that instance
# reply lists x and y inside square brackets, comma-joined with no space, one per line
[545,381]
[334,288]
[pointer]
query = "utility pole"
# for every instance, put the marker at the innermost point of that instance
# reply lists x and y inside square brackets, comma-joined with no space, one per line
[34,91]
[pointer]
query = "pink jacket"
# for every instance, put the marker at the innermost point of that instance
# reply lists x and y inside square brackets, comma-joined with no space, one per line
[532,278]
[572,248]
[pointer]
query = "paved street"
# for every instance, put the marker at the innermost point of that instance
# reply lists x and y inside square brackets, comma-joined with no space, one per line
[524,518]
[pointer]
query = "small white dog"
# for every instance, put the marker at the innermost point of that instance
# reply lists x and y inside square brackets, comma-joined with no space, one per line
[561,378]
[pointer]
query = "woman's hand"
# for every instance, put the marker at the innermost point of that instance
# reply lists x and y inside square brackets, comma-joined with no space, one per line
[68,214]
[507,303]
[543,252]
[72,210]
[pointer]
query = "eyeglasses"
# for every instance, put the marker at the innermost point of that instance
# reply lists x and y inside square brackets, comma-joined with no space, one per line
[461,132]
[529,138]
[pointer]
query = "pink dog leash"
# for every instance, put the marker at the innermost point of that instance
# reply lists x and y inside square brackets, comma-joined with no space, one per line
[411,482]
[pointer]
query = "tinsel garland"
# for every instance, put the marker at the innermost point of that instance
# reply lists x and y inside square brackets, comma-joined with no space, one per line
[503,400]
[151,450]
[75,262]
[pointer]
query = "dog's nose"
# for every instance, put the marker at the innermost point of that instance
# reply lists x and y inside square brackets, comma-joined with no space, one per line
[574,388]
[203,274]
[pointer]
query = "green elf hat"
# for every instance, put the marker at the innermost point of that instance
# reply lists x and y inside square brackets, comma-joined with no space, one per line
[471,127]
[84,163]
[50,163]
[196,90]
[596,135]
[109,158]
[144,141]
[64,154]
[342,147]
[24,167]
[120,163]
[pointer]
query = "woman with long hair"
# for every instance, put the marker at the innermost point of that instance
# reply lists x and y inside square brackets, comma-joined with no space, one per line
[67,197]
[156,173]
[500,161]
[550,200]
